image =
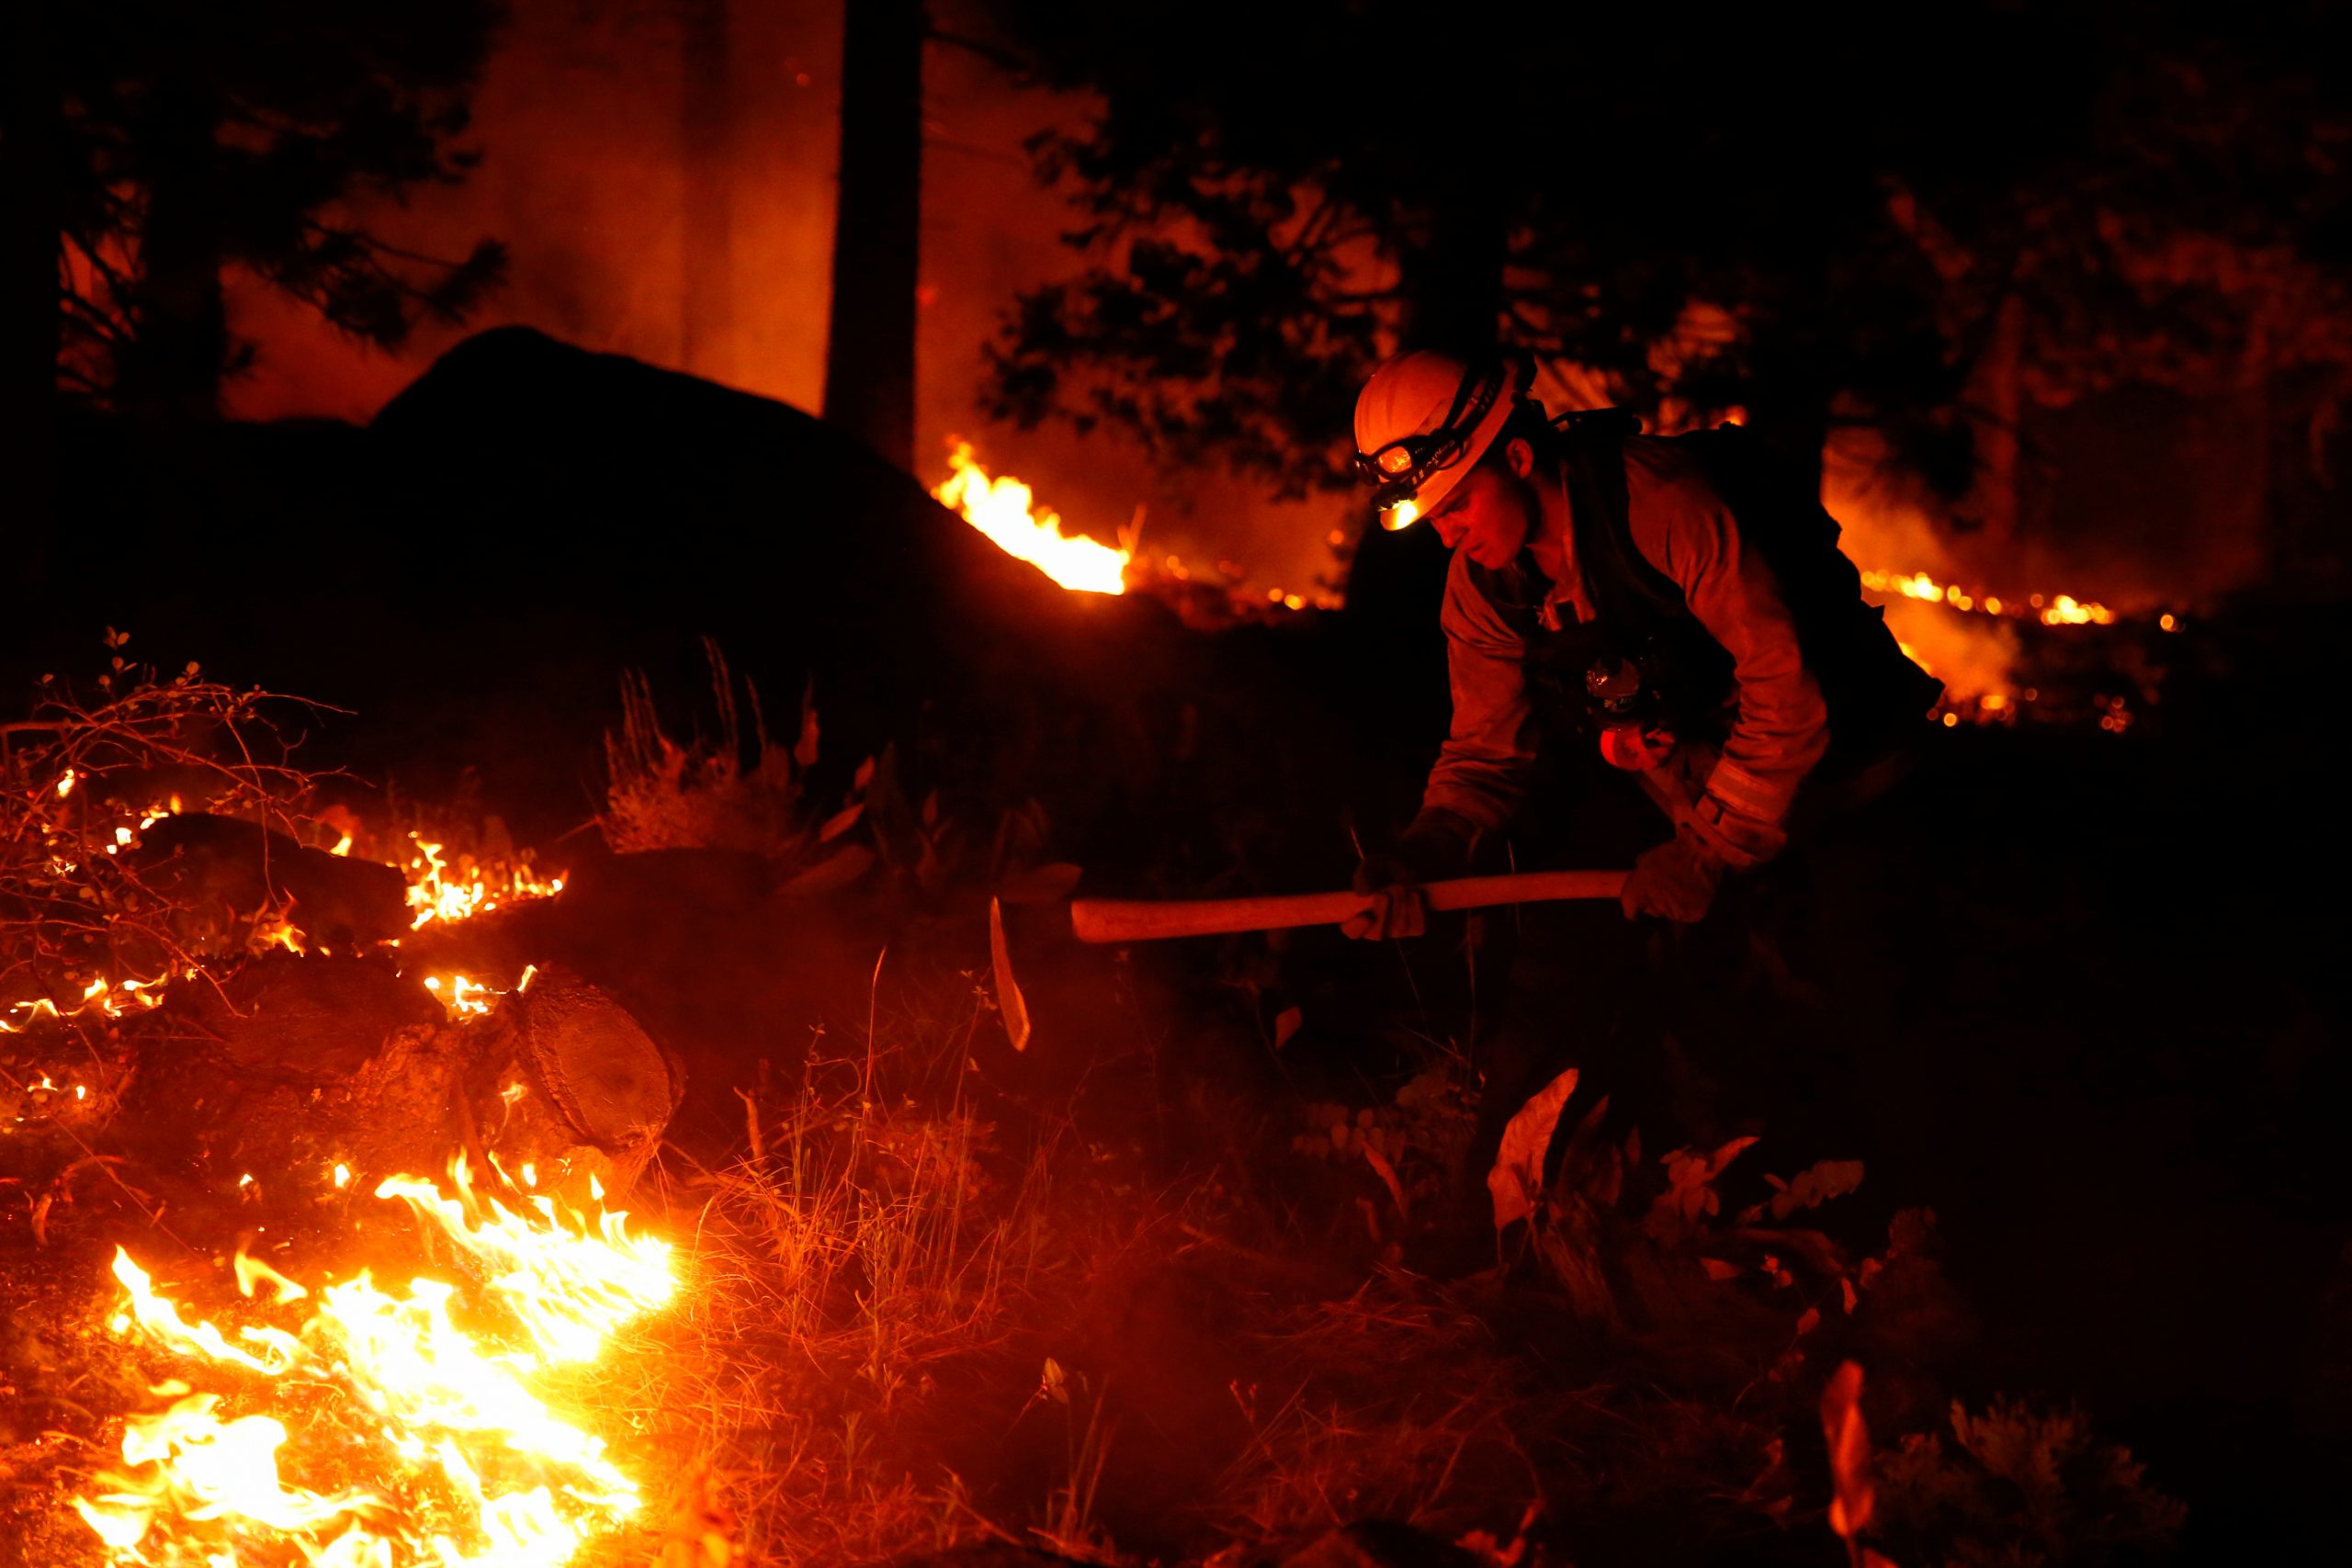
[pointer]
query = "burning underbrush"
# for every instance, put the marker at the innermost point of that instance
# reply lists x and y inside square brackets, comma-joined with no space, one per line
[2049,658]
[894,1323]
[1003,508]
[908,1310]
[433,1421]
[318,1255]
[922,1320]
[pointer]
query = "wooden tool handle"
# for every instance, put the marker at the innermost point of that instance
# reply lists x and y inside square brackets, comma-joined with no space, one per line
[1124,919]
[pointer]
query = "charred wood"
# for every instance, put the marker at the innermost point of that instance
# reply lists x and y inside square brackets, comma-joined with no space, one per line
[219,874]
[297,1067]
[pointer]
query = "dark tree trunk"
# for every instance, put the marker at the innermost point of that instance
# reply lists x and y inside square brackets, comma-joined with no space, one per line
[30,220]
[706,134]
[870,345]
[179,349]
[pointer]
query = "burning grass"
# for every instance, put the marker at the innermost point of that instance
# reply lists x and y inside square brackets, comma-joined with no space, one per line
[1000,509]
[921,1307]
[872,1293]
[427,1405]
[915,1310]
[159,828]
[85,924]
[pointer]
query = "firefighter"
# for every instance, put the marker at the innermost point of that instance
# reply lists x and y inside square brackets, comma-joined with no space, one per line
[1680,602]
[1678,609]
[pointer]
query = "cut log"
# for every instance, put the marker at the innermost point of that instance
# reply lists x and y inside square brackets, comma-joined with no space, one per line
[614,1086]
[300,1065]
[285,1020]
[221,873]
[297,1065]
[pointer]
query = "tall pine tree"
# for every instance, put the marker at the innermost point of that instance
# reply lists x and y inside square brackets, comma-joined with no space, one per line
[870,340]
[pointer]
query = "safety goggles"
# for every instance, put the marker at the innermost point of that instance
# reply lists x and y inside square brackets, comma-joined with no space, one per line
[1401,467]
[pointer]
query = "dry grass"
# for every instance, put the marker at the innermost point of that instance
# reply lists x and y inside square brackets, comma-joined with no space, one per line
[876,1287]
[877,1283]
[736,789]
[80,779]
[1406,1411]
[869,1280]
[909,1321]
[892,1341]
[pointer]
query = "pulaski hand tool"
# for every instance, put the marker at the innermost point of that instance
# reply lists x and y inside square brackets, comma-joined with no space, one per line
[1120,920]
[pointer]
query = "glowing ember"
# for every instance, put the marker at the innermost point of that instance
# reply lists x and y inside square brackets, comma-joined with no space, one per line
[2063,611]
[102,998]
[2056,610]
[439,890]
[42,1096]
[277,929]
[432,1403]
[999,508]
[462,994]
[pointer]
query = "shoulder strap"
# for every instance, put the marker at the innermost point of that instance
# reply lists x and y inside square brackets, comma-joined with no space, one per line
[1626,589]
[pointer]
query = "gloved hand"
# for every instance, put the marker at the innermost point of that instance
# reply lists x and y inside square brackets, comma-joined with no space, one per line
[1676,880]
[1436,845]
[1394,905]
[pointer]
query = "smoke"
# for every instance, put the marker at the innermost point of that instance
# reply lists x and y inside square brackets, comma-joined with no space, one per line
[1972,656]
[608,135]
[1892,526]
[602,148]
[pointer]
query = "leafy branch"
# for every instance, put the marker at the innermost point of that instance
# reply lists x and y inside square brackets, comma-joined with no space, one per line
[83,777]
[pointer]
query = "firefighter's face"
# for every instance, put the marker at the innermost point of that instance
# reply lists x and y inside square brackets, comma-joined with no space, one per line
[1493,512]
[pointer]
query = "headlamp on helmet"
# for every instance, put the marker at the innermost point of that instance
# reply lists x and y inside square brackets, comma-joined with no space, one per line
[1401,467]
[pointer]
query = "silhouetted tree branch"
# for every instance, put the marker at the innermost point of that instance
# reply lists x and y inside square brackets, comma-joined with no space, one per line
[1808,216]
[195,139]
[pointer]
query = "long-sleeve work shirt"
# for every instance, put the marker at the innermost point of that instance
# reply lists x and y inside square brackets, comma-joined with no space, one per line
[1779,728]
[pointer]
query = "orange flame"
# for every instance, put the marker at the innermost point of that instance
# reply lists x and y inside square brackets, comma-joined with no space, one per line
[999,508]
[101,997]
[462,994]
[278,930]
[471,1466]
[2051,610]
[440,891]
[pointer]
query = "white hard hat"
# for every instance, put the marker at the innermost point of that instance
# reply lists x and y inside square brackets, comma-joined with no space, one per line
[1424,420]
